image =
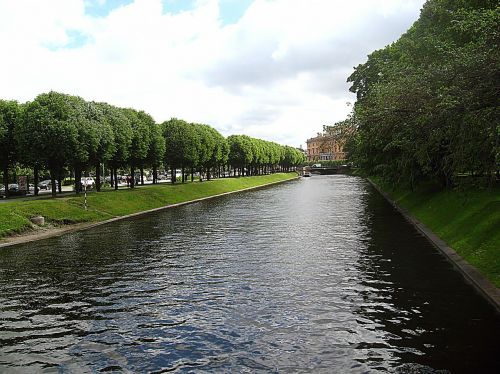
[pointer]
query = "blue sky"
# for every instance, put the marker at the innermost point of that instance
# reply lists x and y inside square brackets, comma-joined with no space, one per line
[101,8]
[230,10]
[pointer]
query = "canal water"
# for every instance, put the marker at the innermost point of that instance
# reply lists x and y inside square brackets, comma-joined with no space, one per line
[315,275]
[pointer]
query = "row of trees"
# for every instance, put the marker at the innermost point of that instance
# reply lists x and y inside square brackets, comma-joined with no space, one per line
[196,147]
[57,132]
[427,105]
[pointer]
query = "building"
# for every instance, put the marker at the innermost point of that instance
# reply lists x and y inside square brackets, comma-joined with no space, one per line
[325,147]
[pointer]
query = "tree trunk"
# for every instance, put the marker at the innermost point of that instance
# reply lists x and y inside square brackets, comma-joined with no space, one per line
[78,179]
[142,176]
[183,175]
[155,174]
[114,173]
[59,182]
[6,179]
[53,182]
[35,177]
[132,177]
[192,175]
[172,175]
[98,176]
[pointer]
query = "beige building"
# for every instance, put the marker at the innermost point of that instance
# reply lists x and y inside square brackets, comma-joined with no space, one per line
[325,147]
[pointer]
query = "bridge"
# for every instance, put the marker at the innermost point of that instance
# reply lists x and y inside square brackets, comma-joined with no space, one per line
[328,170]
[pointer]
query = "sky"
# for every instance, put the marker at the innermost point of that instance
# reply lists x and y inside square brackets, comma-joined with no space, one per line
[271,69]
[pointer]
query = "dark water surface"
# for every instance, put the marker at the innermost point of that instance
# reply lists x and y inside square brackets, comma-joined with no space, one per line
[318,275]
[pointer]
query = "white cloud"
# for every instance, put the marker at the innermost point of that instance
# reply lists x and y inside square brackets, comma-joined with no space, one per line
[278,73]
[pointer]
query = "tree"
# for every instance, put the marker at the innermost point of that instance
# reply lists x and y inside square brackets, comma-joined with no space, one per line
[140,141]
[105,147]
[240,152]
[211,150]
[150,135]
[175,132]
[48,134]
[10,115]
[87,118]
[156,151]
[122,137]
[427,104]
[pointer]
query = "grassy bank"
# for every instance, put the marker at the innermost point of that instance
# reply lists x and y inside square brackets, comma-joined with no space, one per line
[15,215]
[468,221]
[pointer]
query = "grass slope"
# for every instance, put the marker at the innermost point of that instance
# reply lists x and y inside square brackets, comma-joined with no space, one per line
[15,215]
[468,221]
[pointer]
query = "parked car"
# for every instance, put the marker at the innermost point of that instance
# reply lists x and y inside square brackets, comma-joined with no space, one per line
[13,187]
[14,190]
[47,185]
[88,182]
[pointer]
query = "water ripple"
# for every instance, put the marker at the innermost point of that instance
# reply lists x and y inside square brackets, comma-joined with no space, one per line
[318,275]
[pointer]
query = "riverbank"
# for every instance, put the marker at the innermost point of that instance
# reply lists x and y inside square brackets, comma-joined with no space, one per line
[464,223]
[67,213]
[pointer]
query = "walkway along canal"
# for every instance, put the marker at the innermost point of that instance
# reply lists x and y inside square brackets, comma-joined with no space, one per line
[315,275]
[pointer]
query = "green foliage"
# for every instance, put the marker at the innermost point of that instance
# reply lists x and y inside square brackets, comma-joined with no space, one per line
[10,114]
[427,105]
[105,145]
[182,144]
[216,148]
[240,150]
[49,132]
[121,132]
[247,152]
[59,132]
[139,147]
[207,145]
[156,149]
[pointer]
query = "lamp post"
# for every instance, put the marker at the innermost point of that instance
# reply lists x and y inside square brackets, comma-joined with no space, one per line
[85,195]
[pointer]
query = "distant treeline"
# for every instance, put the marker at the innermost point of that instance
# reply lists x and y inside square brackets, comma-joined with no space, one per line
[59,132]
[427,105]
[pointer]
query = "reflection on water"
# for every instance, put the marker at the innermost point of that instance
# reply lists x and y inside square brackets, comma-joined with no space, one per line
[315,275]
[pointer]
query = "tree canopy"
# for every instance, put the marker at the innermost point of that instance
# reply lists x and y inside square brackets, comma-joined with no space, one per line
[59,132]
[10,114]
[427,105]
